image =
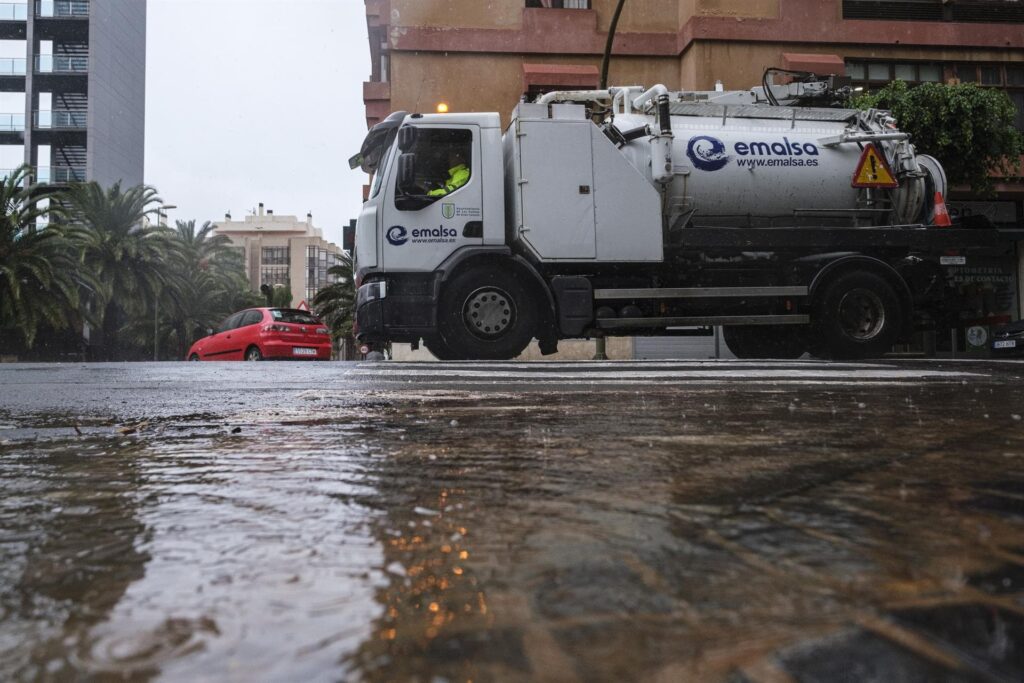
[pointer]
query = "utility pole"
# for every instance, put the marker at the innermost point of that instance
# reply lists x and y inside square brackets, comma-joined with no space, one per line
[156,327]
[601,350]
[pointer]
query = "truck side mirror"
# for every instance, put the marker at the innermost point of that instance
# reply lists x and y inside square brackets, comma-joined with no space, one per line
[348,237]
[407,174]
[407,137]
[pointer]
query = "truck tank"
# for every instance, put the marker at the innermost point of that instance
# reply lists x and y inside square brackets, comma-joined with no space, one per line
[760,165]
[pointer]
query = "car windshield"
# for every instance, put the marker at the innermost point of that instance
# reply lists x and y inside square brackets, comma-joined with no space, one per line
[292,315]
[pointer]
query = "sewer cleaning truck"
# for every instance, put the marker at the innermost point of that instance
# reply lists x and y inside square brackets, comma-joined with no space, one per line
[795,224]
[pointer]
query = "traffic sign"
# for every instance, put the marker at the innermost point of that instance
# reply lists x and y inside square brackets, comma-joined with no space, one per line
[873,171]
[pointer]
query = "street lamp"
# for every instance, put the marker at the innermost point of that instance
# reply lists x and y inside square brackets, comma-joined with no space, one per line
[161,214]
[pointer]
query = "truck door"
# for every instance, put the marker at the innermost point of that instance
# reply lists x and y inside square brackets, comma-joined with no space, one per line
[557,179]
[442,209]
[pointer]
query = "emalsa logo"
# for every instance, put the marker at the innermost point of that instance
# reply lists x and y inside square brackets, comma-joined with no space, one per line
[709,154]
[397,235]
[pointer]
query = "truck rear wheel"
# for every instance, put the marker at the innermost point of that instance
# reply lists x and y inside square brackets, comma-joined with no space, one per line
[858,315]
[487,314]
[783,342]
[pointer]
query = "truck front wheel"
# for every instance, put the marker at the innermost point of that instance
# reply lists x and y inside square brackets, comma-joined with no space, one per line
[438,348]
[858,315]
[486,314]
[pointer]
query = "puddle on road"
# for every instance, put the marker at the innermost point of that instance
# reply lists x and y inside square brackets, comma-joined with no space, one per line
[714,534]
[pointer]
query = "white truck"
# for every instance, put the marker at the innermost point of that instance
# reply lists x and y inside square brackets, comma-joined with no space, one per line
[632,211]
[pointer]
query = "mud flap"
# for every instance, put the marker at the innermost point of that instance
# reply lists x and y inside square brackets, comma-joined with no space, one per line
[574,297]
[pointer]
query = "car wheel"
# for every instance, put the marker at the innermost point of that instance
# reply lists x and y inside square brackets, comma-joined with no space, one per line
[253,354]
[486,314]
[858,315]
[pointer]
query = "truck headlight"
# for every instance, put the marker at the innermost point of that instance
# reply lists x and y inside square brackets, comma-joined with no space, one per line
[372,291]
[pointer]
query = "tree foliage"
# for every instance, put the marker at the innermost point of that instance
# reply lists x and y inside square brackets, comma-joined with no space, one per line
[40,278]
[335,303]
[969,129]
[208,284]
[127,257]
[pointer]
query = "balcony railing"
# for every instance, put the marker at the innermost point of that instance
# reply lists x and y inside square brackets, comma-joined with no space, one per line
[60,120]
[12,123]
[12,67]
[71,9]
[60,175]
[13,11]
[61,64]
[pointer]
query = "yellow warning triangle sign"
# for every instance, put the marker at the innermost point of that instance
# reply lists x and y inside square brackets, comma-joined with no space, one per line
[873,171]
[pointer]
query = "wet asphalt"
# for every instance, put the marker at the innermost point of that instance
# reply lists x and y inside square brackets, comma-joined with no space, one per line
[657,521]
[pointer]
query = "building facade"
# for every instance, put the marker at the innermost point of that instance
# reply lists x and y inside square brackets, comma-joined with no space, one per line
[72,103]
[475,56]
[282,251]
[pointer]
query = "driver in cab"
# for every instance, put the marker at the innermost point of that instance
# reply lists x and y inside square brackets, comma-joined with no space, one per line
[458,174]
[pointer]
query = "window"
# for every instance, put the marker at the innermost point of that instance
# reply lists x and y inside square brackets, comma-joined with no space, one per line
[230,323]
[879,72]
[292,315]
[251,318]
[987,11]
[318,262]
[274,275]
[275,256]
[991,75]
[929,73]
[906,72]
[443,165]
[559,4]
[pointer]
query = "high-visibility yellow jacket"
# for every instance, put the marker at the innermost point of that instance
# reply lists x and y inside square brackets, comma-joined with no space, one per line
[457,177]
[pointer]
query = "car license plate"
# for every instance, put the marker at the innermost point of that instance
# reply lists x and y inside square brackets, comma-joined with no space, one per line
[1005,344]
[300,351]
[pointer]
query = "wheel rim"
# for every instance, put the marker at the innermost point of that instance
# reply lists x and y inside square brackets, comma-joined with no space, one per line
[861,314]
[254,354]
[489,312]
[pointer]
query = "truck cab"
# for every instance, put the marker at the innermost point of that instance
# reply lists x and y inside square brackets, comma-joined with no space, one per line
[415,220]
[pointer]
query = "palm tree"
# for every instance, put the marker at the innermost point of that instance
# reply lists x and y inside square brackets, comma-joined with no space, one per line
[39,271]
[213,283]
[335,303]
[128,259]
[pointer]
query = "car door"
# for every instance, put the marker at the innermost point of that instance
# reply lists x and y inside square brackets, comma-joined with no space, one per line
[219,346]
[247,333]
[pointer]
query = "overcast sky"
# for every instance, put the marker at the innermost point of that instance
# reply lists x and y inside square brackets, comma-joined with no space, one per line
[252,101]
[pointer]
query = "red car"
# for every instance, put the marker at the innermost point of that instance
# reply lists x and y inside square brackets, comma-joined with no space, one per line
[266,333]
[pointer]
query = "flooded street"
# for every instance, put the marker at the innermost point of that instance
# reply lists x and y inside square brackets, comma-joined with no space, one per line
[657,521]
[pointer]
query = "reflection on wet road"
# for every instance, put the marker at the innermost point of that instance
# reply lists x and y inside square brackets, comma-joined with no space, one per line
[620,521]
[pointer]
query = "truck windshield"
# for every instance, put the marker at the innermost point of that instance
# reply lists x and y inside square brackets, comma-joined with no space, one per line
[378,176]
[377,143]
